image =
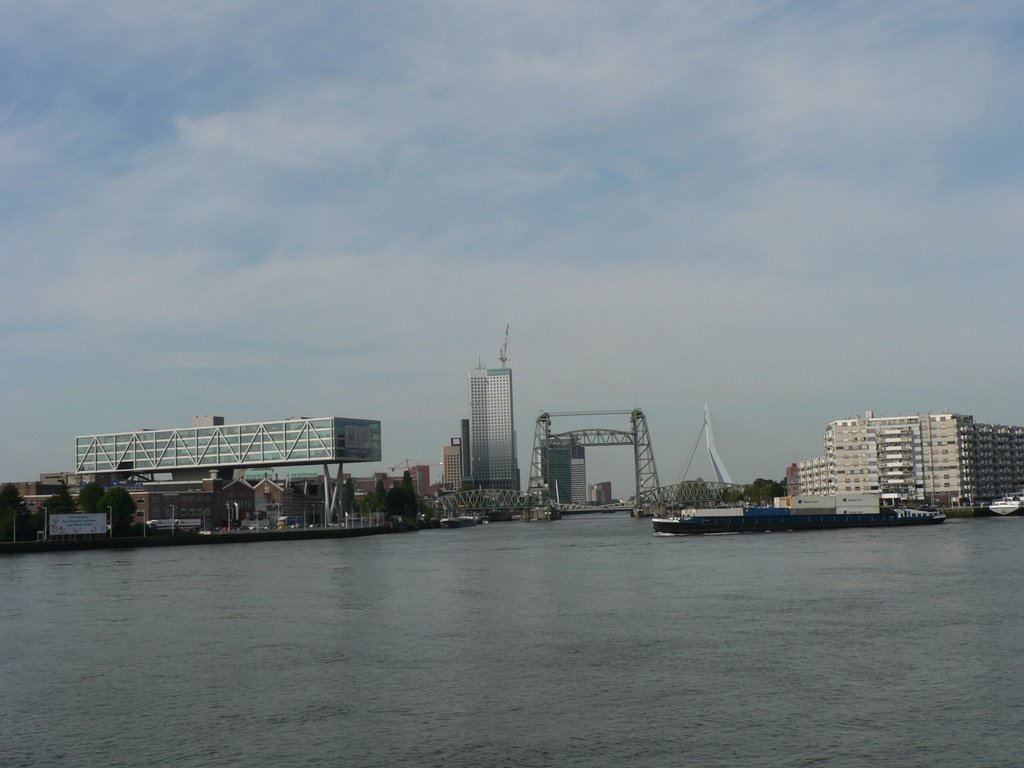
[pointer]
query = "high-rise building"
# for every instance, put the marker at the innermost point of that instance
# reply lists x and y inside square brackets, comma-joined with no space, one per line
[467,470]
[567,467]
[492,436]
[451,465]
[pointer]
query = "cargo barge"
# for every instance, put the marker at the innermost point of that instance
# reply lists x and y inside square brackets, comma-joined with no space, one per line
[806,514]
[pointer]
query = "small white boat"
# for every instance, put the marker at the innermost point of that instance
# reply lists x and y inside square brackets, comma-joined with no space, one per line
[1007,505]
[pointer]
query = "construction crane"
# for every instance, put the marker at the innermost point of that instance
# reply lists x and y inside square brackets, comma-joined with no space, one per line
[405,464]
[503,352]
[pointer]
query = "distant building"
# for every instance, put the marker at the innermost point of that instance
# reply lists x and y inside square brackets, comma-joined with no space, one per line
[492,436]
[600,493]
[451,465]
[567,469]
[420,476]
[467,469]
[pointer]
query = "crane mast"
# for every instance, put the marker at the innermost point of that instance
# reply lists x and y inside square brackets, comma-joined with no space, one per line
[503,352]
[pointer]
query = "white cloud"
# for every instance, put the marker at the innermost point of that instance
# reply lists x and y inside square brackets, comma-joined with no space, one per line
[259,214]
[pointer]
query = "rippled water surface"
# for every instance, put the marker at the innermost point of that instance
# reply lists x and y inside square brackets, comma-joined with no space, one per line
[585,642]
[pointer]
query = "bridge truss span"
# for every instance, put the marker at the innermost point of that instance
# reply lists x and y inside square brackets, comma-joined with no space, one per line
[495,504]
[691,493]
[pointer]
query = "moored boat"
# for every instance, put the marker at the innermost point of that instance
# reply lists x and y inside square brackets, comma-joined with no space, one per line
[1007,505]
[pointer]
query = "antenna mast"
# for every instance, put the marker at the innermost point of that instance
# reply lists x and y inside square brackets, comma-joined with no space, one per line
[503,352]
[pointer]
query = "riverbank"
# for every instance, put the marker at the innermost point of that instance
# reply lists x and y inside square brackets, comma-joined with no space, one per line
[968,512]
[190,539]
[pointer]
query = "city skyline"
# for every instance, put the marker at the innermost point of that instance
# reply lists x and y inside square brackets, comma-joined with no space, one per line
[796,214]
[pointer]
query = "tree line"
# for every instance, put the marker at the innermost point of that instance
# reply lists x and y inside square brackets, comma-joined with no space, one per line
[19,523]
[397,501]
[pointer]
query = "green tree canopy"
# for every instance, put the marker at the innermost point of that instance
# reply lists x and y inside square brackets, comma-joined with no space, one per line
[13,511]
[401,501]
[121,505]
[348,496]
[61,502]
[89,497]
[11,499]
[763,491]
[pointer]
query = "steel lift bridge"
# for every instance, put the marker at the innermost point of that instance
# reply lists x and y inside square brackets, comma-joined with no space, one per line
[645,470]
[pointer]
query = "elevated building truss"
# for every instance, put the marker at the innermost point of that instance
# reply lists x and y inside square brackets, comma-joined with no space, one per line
[185,451]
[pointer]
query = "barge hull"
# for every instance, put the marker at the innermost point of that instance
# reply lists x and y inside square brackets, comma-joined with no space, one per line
[702,525]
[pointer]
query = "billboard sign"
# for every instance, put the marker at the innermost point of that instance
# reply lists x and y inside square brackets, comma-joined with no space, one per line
[78,524]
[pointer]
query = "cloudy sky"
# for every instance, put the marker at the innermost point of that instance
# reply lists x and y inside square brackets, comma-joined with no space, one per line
[793,211]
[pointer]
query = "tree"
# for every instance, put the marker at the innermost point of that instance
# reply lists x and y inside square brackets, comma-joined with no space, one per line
[89,497]
[61,502]
[762,491]
[348,496]
[401,499]
[121,505]
[13,512]
[393,501]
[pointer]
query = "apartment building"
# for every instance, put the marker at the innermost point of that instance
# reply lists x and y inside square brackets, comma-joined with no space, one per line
[945,458]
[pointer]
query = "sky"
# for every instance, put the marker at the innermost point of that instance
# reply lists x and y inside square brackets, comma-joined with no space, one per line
[794,212]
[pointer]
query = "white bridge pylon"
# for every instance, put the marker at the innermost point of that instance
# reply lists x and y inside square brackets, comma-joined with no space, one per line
[645,469]
[717,465]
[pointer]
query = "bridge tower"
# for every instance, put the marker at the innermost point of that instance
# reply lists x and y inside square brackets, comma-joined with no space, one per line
[644,468]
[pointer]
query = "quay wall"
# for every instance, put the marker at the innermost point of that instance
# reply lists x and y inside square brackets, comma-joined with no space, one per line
[184,540]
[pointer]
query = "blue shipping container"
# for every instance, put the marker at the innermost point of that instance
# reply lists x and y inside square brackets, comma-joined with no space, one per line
[766,512]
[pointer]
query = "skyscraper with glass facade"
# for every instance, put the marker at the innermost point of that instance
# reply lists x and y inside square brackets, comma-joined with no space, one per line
[492,435]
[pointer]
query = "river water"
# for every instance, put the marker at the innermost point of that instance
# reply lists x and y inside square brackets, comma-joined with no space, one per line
[584,642]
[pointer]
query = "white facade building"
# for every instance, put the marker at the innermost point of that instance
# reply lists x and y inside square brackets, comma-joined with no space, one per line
[492,437]
[925,456]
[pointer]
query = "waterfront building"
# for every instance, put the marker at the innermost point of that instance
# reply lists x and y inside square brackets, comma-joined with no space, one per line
[811,477]
[210,450]
[945,458]
[926,456]
[999,459]
[492,436]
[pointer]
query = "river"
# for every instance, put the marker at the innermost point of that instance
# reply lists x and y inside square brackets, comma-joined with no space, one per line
[584,642]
